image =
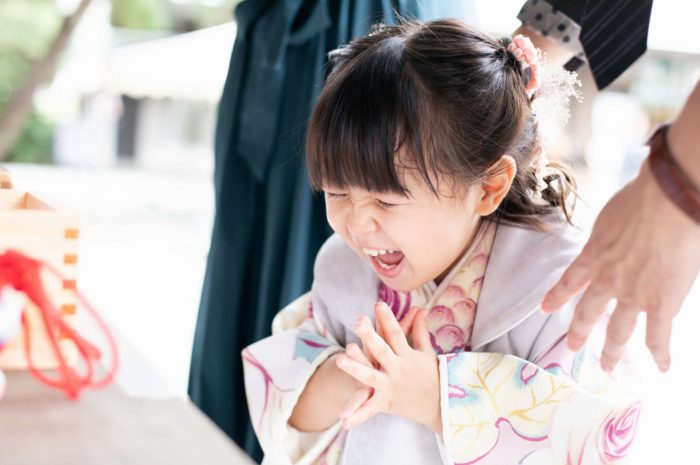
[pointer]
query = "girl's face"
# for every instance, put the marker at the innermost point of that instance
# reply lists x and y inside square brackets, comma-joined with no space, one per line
[409,241]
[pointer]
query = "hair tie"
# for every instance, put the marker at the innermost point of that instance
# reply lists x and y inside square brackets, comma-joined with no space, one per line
[527,55]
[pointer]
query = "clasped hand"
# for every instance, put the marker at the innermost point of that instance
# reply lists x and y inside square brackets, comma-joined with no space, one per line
[400,377]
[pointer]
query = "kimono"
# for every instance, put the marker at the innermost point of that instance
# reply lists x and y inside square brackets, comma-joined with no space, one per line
[510,390]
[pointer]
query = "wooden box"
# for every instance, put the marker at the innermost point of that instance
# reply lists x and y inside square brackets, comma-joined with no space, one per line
[5,179]
[33,227]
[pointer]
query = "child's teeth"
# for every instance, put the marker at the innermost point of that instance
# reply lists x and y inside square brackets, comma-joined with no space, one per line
[376,252]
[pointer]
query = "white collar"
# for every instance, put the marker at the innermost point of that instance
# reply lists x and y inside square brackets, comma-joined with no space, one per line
[523,265]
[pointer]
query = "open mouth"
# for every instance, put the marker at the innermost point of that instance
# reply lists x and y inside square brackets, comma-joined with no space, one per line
[384,259]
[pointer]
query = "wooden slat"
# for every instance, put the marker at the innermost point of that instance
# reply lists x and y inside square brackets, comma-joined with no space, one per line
[69,309]
[67,298]
[72,233]
[49,251]
[36,203]
[12,200]
[5,179]
[33,223]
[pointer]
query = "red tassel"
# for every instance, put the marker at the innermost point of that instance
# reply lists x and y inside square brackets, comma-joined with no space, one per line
[24,274]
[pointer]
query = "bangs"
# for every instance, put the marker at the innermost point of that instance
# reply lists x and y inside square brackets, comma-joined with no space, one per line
[365,127]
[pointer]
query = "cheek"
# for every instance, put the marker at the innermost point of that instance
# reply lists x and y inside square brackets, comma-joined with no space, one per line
[456,231]
[335,217]
[411,235]
[438,239]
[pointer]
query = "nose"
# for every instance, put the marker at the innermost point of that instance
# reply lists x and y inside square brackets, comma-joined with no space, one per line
[360,222]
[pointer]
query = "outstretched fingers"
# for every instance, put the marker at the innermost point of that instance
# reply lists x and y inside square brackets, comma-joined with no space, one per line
[576,278]
[658,339]
[366,375]
[394,334]
[377,349]
[620,328]
[421,335]
[372,407]
[407,321]
[355,402]
[589,309]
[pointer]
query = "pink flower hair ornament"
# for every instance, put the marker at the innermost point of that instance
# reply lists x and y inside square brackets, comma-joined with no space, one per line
[528,56]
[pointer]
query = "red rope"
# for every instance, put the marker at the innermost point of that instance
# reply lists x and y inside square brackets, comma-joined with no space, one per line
[24,274]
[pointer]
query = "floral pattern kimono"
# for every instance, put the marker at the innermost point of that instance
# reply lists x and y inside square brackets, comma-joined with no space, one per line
[511,391]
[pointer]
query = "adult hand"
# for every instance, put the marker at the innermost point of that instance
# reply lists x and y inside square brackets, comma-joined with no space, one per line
[645,253]
[406,383]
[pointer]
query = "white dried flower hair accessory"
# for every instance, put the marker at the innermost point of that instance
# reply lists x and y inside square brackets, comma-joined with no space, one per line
[553,86]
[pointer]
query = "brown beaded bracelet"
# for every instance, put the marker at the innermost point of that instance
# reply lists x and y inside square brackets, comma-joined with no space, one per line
[670,176]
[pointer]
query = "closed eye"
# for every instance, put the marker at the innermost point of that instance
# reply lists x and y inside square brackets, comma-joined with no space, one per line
[379,203]
[334,196]
[386,205]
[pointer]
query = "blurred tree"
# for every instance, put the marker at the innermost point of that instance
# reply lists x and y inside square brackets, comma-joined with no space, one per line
[35,143]
[141,14]
[20,19]
[205,15]
[18,107]
[25,135]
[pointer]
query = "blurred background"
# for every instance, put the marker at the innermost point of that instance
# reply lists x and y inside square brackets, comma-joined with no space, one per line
[122,134]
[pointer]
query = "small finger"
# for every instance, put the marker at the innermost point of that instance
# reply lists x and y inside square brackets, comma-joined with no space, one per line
[380,332]
[421,335]
[379,328]
[354,352]
[576,277]
[591,306]
[406,322]
[364,374]
[658,339]
[355,402]
[377,349]
[393,333]
[620,328]
[364,413]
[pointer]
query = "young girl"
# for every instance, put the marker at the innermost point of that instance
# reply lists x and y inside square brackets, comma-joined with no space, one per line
[425,144]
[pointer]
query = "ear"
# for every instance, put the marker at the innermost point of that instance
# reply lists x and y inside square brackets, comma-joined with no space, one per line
[497,184]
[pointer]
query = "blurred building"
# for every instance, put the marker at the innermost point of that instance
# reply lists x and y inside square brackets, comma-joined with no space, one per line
[146,98]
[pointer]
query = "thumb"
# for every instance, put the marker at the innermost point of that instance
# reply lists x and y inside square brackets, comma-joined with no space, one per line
[420,334]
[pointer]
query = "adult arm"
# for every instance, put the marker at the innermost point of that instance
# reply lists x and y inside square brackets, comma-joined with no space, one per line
[643,251]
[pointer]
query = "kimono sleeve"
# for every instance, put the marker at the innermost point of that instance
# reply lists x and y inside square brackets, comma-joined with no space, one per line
[276,371]
[557,407]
